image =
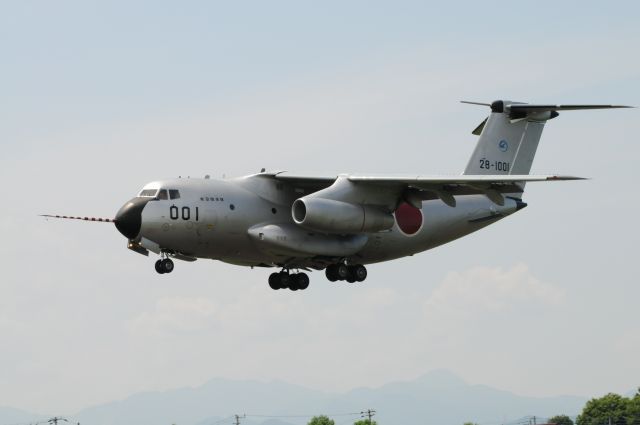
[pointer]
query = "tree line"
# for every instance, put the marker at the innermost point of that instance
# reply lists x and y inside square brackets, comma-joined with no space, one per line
[325,420]
[611,409]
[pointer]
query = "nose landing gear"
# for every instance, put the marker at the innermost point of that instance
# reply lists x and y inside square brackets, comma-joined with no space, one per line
[164,266]
[283,280]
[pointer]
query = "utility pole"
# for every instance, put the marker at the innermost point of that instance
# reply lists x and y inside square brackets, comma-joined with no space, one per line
[237,419]
[369,413]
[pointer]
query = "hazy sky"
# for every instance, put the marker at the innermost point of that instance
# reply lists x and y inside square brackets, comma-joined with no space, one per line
[98,98]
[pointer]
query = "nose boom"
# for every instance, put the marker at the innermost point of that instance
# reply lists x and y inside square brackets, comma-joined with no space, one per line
[129,218]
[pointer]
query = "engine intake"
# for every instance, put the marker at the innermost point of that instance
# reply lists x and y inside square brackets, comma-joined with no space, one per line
[329,216]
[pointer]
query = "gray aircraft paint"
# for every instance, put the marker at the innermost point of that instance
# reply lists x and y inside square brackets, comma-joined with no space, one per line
[273,219]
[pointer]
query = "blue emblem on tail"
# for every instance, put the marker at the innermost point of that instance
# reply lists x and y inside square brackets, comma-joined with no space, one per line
[503,145]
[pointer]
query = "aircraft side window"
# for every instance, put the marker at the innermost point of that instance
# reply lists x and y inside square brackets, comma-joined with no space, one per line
[163,194]
[174,194]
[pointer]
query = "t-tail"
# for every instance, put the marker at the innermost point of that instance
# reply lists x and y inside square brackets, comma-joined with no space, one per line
[509,136]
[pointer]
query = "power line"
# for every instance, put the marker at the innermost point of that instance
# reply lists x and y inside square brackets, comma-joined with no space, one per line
[219,421]
[305,416]
[369,413]
[237,419]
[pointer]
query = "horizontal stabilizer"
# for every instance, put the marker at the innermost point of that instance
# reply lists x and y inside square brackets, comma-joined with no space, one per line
[543,108]
[501,105]
[519,110]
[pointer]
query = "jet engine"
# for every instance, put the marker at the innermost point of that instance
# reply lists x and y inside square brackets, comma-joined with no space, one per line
[330,216]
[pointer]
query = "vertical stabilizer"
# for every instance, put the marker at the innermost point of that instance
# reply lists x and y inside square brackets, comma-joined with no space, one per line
[509,136]
[508,141]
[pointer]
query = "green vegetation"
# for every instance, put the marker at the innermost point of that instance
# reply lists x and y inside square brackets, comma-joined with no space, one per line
[633,410]
[367,422]
[321,420]
[611,409]
[561,420]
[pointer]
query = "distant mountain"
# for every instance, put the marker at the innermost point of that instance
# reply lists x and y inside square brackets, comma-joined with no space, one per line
[441,397]
[438,397]
[215,400]
[9,415]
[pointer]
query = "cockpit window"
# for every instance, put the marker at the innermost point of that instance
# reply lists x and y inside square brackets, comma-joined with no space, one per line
[151,193]
[162,194]
[174,194]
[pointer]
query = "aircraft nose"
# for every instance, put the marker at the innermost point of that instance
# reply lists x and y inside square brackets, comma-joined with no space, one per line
[129,217]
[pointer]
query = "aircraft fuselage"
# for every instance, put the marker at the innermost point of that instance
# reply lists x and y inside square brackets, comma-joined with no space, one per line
[248,221]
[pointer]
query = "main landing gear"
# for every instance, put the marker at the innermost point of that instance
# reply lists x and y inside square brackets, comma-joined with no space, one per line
[295,281]
[353,273]
[334,272]
[164,265]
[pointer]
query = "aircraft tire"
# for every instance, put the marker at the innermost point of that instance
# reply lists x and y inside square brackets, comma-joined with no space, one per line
[293,282]
[342,271]
[159,267]
[301,281]
[274,281]
[331,273]
[359,272]
[285,280]
[167,265]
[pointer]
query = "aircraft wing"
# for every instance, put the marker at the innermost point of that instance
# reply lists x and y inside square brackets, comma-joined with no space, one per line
[462,180]
[414,188]
[308,183]
[445,187]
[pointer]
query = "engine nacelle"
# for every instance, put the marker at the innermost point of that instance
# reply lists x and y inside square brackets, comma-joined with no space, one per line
[329,216]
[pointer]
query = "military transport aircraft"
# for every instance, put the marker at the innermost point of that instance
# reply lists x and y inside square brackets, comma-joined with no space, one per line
[339,223]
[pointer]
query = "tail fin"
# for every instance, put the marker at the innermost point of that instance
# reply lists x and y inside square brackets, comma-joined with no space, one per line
[509,136]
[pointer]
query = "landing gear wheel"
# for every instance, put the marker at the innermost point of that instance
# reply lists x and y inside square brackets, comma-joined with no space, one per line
[274,281]
[166,265]
[284,279]
[342,271]
[159,267]
[359,272]
[331,272]
[300,281]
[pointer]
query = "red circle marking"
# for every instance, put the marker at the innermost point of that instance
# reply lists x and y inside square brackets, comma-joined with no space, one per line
[409,218]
